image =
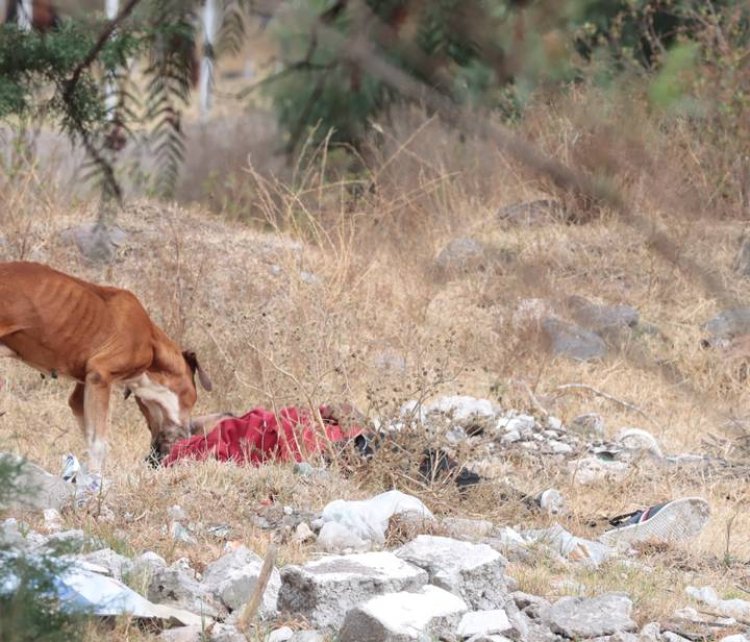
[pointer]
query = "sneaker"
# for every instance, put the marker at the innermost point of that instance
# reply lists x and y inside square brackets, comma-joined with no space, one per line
[672,521]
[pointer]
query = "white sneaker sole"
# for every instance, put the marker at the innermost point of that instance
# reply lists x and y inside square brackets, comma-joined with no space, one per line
[679,520]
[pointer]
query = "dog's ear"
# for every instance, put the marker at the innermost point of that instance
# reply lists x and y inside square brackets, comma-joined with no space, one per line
[195,368]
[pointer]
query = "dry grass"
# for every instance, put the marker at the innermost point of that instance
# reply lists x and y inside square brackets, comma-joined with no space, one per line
[330,293]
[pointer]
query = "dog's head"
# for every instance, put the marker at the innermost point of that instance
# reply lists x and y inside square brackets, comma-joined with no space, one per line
[166,398]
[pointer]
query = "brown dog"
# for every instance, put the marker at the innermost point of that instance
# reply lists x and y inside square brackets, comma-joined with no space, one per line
[98,336]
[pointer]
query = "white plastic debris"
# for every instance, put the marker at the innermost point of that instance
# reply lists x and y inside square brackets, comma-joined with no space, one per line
[87,485]
[82,587]
[368,519]
[574,548]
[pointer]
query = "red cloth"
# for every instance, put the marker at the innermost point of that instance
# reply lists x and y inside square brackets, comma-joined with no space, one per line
[258,437]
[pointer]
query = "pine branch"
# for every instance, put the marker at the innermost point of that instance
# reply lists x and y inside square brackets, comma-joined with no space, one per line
[104,36]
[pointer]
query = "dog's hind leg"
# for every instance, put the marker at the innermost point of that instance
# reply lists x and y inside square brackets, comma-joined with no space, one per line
[96,417]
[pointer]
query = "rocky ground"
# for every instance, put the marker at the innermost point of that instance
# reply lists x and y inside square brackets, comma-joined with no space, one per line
[573,371]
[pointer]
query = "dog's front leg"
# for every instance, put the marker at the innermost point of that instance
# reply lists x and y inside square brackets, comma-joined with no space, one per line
[96,417]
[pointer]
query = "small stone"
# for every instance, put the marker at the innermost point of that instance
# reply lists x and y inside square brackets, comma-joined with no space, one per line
[532,213]
[511,437]
[303,533]
[575,342]
[96,241]
[52,520]
[577,617]
[460,256]
[589,426]
[484,623]
[559,447]
[181,534]
[531,605]
[304,469]
[226,633]
[650,632]
[602,317]
[284,634]
[737,637]
[308,636]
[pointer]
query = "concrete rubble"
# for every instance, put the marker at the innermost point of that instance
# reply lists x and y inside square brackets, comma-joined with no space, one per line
[358,587]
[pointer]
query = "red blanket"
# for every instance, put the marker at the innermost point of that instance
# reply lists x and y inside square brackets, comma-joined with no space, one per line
[261,436]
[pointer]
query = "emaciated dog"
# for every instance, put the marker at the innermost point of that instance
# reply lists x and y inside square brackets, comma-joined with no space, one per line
[98,336]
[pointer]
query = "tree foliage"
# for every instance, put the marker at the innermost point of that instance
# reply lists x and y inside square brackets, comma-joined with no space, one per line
[492,54]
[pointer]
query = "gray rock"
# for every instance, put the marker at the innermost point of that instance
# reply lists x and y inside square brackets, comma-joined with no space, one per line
[106,557]
[650,632]
[581,617]
[728,324]
[226,633]
[178,587]
[532,213]
[671,636]
[573,341]
[600,317]
[190,633]
[96,241]
[473,571]
[737,637]
[73,540]
[484,623]
[37,489]
[488,638]
[308,636]
[401,617]
[557,447]
[589,426]
[461,255]
[233,579]
[197,633]
[533,606]
[324,590]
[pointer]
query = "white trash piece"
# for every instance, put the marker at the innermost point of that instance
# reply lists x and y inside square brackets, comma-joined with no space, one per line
[368,519]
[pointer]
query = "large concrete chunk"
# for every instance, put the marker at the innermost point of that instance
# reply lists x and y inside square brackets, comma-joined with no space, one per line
[177,587]
[580,617]
[473,571]
[402,617]
[325,589]
[234,576]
